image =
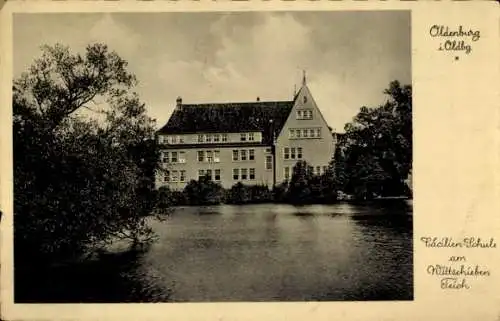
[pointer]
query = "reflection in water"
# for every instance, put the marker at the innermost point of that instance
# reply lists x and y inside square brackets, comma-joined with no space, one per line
[266,253]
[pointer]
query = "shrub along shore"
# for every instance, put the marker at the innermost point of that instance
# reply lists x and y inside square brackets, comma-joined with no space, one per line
[303,188]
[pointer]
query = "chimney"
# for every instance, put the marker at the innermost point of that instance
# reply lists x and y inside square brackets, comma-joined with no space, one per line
[178,103]
[258,98]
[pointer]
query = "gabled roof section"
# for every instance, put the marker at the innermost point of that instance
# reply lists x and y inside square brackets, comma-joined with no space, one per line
[229,118]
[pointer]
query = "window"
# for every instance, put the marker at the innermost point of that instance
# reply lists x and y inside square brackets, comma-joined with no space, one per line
[181,139]
[268,150]
[287,173]
[292,153]
[174,157]
[208,173]
[182,178]
[305,99]
[306,133]
[216,156]
[287,153]
[201,156]
[208,138]
[299,114]
[216,138]
[243,173]
[210,156]
[243,137]
[292,133]
[201,174]
[298,133]
[200,138]
[224,137]
[311,133]
[252,173]
[166,178]
[160,139]
[174,139]
[175,176]
[309,114]
[251,154]
[235,155]
[325,169]
[318,170]
[251,137]
[217,175]
[182,157]
[299,152]
[165,158]
[318,132]
[310,169]
[236,174]
[243,155]
[269,162]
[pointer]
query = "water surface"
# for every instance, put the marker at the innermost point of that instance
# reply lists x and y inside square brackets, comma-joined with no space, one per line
[263,252]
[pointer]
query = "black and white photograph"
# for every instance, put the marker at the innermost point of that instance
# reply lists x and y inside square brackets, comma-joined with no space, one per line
[245,156]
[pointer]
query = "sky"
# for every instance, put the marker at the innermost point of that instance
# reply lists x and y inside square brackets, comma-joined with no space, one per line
[349,57]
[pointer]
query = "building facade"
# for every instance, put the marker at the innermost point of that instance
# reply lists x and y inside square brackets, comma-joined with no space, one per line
[255,143]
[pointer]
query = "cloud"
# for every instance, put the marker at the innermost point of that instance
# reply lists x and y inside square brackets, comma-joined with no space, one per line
[218,57]
[117,36]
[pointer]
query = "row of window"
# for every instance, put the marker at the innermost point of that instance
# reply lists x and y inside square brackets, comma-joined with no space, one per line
[209,138]
[292,153]
[205,138]
[314,170]
[213,156]
[243,174]
[171,139]
[304,114]
[173,157]
[305,133]
[238,174]
[243,154]
[209,156]
[208,172]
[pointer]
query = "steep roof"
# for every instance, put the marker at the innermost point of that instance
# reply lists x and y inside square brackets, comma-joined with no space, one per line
[229,118]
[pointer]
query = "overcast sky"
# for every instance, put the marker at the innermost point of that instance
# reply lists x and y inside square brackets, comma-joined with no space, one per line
[350,57]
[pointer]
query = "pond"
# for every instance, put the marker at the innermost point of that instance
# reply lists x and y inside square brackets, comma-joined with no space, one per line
[266,252]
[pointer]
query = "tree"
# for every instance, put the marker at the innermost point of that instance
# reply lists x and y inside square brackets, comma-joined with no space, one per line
[84,155]
[299,190]
[376,155]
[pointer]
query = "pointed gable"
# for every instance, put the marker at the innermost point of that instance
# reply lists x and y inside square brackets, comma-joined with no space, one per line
[229,118]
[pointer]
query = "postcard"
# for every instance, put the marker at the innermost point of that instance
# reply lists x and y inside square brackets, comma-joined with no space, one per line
[218,160]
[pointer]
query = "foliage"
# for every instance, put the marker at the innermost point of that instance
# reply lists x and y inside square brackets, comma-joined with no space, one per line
[244,194]
[375,157]
[84,157]
[204,192]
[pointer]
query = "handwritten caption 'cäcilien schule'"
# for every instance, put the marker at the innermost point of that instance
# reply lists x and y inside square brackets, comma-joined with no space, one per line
[466,242]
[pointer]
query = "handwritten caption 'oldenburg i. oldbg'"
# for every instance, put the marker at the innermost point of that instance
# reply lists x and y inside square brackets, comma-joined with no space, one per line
[457,39]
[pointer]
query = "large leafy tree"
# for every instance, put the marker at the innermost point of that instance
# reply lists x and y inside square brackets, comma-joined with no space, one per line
[376,152]
[84,154]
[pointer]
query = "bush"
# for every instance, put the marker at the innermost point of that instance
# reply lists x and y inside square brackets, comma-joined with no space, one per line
[203,192]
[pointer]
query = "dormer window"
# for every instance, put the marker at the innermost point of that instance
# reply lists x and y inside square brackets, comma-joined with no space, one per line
[251,137]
